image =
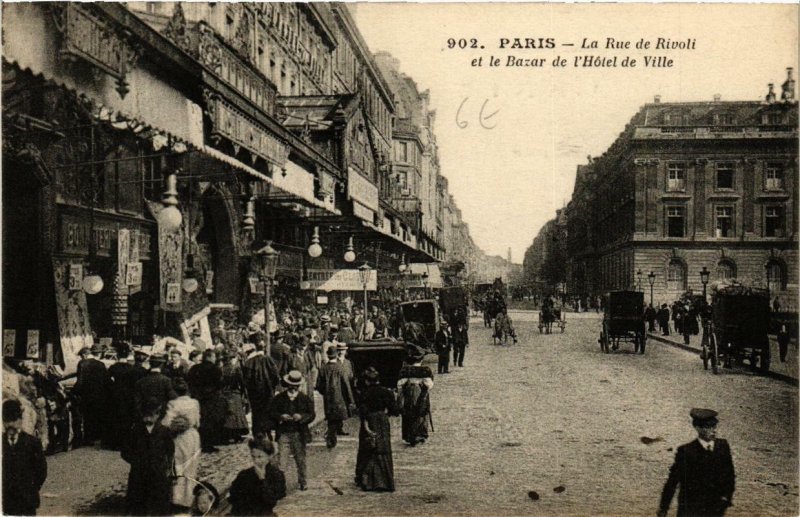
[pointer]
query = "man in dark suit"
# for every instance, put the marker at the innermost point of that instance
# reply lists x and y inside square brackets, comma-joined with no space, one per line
[442,345]
[177,366]
[703,469]
[293,411]
[24,464]
[261,379]
[154,385]
[93,388]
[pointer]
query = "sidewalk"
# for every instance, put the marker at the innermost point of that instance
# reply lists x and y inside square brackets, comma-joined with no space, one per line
[787,371]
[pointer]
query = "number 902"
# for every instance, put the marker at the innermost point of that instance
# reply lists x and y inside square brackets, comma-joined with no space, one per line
[462,43]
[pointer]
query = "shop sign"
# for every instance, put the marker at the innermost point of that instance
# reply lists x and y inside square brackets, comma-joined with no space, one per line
[75,277]
[173,293]
[123,252]
[133,274]
[362,212]
[241,131]
[339,280]
[86,37]
[360,189]
[74,237]
[290,261]
[9,342]
[32,345]
[296,180]
[256,285]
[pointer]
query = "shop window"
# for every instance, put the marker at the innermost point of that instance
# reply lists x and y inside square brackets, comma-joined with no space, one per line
[676,177]
[724,221]
[676,275]
[676,221]
[773,221]
[725,173]
[152,180]
[726,270]
[776,278]
[773,176]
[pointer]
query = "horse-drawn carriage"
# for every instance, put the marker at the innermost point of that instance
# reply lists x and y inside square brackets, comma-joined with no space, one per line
[623,321]
[551,315]
[737,329]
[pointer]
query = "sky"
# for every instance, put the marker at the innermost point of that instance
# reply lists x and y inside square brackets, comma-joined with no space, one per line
[510,179]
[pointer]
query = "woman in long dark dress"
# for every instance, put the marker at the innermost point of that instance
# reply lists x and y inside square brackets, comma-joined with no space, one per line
[374,466]
[233,391]
[414,388]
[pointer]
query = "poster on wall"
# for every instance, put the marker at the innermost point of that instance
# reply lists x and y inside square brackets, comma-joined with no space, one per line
[173,293]
[74,328]
[133,274]
[123,257]
[170,263]
[9,342]
[75,277]
[32,346]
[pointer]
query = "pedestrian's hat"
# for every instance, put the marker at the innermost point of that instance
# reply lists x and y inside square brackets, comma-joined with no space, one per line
[248,347]
[702,416]
[341,346]
[12,410]
[85,350]
[415,353]
[157,359]
[97,349]
[140,352]
[332,352]
[293,378]
[334,327]
[175,351]
[325,318]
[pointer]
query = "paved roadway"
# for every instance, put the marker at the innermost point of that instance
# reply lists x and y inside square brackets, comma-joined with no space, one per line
[549,412]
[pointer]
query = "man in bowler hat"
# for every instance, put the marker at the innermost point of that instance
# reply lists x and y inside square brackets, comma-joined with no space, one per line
[703,469]
[24,464]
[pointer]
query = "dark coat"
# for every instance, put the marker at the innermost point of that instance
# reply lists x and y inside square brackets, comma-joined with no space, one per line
[442,341]
[93,383]
[250,495]
[172,371]
[204,379]
[24,473]
[302,404]
[279,352]
[705,479]
[334,385]
[150,479]
[154,385]
[260,378]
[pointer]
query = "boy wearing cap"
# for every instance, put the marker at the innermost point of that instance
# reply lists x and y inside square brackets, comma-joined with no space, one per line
[293,411]
[24,464]
[703,469]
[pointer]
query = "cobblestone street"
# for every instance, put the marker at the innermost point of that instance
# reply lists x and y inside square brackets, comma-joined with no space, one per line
[551,414]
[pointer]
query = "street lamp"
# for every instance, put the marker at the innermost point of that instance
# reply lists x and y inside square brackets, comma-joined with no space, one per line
[350,254]
[268,260]
[425,282]
[639,276]
[363,272]
[315,250]
[704,274]
[651,279]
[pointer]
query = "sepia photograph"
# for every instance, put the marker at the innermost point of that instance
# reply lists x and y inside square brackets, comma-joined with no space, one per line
[400,259]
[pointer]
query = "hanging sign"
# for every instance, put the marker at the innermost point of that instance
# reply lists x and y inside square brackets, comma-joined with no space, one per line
[32,347]
[74,328]
[173,293]
[9,342]
[170,245]
[75,277]
[133,274]
[135,255]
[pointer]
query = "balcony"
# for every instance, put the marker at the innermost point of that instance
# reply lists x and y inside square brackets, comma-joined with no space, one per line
[713,132]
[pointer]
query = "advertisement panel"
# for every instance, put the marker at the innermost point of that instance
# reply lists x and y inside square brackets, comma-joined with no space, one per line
[339,280]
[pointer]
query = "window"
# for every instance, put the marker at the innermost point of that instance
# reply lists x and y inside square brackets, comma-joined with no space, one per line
[724,221]
[676,275]
[726,270]
[774,176]
[673,119]
[773,221]
[676,221]
[725,176]
[772,119]
[723,119]
[775,277]
[402,152]
[676,177]
[152,180]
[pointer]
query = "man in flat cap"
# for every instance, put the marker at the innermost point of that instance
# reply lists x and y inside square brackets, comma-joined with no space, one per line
[703,469]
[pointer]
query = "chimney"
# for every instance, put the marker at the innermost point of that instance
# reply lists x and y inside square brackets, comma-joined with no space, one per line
[717,97]
[771,93]
[788,87]
[657,99]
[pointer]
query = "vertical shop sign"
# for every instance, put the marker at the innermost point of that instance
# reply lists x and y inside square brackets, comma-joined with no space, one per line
[75,277]
[123,257]
[74,327]
[9,342]
[32,346]
[171,268]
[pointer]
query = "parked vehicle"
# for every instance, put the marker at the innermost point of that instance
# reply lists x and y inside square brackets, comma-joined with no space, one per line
[385,355]
[737,329]
[623,321]
[426,314]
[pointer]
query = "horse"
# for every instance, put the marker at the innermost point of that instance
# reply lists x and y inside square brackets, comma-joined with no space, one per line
[503,328]
[548,316]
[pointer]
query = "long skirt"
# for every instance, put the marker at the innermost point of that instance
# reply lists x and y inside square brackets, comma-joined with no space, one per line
[374,465]
[187,459]
[415,416]
[235,417]
[213,409]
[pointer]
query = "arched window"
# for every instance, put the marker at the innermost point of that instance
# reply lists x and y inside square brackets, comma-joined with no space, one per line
[776,279]
[726,270]
[676,275]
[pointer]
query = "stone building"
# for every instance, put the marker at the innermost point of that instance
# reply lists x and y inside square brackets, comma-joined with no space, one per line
[689,185]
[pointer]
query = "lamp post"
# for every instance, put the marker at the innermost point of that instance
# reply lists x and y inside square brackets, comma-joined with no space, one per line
[651,279]
[425,282]
[363,272]
[268,260]
[704,274]
[639,277]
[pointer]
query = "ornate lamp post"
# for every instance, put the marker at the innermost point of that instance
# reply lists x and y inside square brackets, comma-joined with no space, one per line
[268,260]
[704,274]
[363,272]
[651,279]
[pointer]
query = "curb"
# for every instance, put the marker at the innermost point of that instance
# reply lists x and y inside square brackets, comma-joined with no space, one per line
[774,375]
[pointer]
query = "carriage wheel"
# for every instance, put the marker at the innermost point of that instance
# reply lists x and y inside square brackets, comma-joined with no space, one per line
[714,352]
